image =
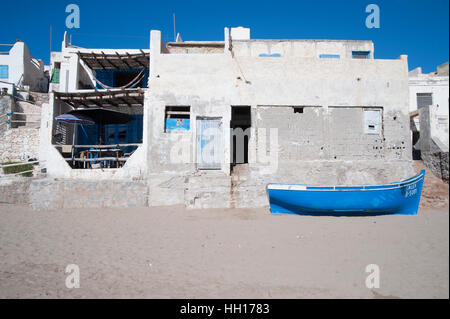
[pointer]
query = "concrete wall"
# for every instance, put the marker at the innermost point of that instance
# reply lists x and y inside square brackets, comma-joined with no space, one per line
[434,150]
[301,48]
[15,190]
[17,143]
[134,169]
[47,194]
[325,144]
[333,92]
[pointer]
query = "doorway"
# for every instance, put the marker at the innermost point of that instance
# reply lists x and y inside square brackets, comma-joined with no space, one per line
[209,142]
[240,134]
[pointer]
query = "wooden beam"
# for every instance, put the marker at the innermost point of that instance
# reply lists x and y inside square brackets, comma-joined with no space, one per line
[123,60]
[98,61]
[139,62]
[109,60]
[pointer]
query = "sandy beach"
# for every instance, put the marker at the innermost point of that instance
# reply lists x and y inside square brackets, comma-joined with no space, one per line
[172,252]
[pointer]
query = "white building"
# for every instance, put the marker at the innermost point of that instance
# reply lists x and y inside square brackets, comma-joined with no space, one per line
[330,112]
[430,90]
[20,70]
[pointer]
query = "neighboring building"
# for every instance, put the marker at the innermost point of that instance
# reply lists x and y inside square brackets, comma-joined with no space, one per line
[20,70]
[22,78]
[429,112]
[221,119]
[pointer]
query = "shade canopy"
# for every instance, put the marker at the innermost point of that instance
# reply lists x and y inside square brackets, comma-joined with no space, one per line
[103,116]
[75,119]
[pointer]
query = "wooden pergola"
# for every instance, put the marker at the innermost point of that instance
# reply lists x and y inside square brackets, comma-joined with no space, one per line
[107,98]
[115,61]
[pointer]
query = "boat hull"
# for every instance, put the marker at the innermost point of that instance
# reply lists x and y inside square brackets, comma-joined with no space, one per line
[395,198]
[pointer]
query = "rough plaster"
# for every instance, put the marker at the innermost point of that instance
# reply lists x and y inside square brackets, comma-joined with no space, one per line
[333,93]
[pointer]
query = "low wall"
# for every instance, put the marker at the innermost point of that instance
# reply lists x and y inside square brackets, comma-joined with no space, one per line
[15,190]
[19,144]
[46,194]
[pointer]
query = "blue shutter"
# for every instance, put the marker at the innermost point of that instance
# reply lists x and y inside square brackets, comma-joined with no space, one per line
[3,72]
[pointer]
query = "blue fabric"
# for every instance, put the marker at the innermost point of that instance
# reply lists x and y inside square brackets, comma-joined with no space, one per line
[107,77]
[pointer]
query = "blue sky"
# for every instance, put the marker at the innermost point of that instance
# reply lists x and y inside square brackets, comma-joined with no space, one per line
[418,28]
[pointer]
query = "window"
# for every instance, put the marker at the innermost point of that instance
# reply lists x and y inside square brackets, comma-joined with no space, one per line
[329,56]
[424,99]
[273,55]
[360,54]
[177,119]
[3,71]
[372,121]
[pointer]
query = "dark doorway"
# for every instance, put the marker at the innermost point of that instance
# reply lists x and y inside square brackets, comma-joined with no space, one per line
[416,154]
[240,133]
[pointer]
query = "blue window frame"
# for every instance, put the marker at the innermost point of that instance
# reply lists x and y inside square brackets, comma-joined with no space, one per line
[360,54]
[329,56]
[3,71]
[273,55]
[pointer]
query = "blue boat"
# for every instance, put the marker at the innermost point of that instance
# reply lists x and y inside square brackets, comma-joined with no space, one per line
[394,198]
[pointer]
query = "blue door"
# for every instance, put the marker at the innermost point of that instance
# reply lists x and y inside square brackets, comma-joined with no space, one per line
[209,143]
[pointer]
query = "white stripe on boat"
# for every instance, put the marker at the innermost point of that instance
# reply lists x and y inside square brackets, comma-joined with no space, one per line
[287,187]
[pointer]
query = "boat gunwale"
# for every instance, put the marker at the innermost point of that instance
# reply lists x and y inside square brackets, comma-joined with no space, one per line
[348,188]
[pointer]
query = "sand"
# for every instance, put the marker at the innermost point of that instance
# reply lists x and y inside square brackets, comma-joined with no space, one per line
[172,252]
[435,191]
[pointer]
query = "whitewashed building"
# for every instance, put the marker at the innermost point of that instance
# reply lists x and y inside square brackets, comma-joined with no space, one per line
[429,112]
[20,70]
[309,111]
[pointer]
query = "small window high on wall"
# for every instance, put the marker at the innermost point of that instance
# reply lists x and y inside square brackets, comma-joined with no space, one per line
[424,99]
[372,121]
[177,119]
[360,54]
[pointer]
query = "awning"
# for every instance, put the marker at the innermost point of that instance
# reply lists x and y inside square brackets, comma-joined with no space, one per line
[75,119]
[116,61]
[106,98]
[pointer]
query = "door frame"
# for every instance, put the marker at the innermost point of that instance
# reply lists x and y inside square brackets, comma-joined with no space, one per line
[197,142]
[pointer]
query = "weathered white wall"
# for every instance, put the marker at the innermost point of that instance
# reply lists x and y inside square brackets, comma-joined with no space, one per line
[22,68]
[302,48]
[74,70]
[211,83]
[437,85]
[56,165]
